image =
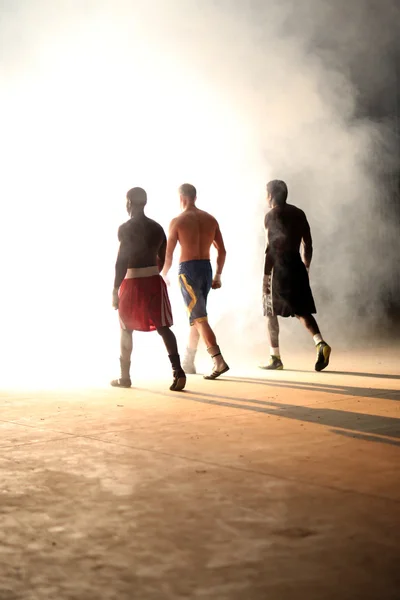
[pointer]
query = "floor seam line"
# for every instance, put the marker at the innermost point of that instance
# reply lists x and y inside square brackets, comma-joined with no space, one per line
[241,469]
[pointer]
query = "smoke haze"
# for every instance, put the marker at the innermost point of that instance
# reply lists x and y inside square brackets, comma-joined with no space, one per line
[98,97]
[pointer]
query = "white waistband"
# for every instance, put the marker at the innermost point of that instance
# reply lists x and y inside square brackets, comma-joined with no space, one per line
[142,272]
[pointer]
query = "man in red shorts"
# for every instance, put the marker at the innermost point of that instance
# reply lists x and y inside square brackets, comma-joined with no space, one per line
[139,293]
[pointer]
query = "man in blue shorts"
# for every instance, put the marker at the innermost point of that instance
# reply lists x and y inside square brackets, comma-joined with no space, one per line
[196,231]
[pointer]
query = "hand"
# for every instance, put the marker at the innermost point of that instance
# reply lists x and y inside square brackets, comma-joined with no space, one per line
[166,278]
[115,299]
[216,282]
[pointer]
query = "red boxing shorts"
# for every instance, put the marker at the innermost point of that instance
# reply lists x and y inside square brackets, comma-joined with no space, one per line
[143,301]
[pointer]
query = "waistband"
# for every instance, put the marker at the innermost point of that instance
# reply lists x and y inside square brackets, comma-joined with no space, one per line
[196,261]
[142,272]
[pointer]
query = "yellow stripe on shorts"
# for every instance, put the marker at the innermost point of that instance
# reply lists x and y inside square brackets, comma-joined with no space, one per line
[190,291]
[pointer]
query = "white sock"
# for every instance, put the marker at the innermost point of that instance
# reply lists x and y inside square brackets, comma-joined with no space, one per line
[317,339]
[274,352]
[190,354]
[217,357]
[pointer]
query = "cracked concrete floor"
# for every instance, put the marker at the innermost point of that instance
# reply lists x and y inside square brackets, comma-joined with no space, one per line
[260,486]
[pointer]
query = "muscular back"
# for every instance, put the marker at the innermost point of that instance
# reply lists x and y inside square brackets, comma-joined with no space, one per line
[141,239]
[287,228]
[196,231]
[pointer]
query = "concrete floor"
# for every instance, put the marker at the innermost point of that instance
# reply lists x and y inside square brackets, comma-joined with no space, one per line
[262,486]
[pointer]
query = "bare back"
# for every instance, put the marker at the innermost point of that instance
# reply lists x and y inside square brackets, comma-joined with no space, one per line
[196,231]
[287,228]
[141,240]
[142,244]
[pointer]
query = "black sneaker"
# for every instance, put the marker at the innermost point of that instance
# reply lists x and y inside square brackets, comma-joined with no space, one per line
[323,354]
[179,380]
[275,364]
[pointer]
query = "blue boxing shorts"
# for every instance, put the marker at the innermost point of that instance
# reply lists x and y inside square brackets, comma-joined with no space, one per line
[195,279]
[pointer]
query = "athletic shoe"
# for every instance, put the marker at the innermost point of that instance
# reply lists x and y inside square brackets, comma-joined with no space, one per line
[223,368]
[179,381]
[275,364]
[121,383]
[323,354]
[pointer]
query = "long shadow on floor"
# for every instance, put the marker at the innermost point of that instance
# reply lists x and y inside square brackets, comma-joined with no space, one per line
[350,373]
[365,437]
[342,390]
[331,417]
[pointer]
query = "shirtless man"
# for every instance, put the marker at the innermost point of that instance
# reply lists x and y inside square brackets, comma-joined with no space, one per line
[197,231]
[286,287]
[140,293]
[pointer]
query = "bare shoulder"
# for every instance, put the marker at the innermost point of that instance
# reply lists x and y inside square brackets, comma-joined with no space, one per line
[206,215]
[174,226]
[156,228]
[124,226]
[296,210]
[207,219]
[154,224]
[271,218]
[190,219]
[179,224]
[175,221]
[122,229]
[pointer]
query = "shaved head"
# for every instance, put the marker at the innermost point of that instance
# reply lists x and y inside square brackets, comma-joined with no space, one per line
[137,196]
[188,190]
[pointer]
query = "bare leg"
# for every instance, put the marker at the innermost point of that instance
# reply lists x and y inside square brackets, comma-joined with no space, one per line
[275,355]
[126,349]
[169,339]
[125,360]
[323,349]
[207,334]
[273,330]
[194,338]
[309,323]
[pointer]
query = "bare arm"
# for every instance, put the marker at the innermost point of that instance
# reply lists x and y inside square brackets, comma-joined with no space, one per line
[161,255]
[268,264]
[307,244]
[218,243]
[221,252]
[268,260]
[121,265]
[171,245]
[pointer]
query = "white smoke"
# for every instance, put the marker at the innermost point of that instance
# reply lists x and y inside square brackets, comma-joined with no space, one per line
[99,97]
